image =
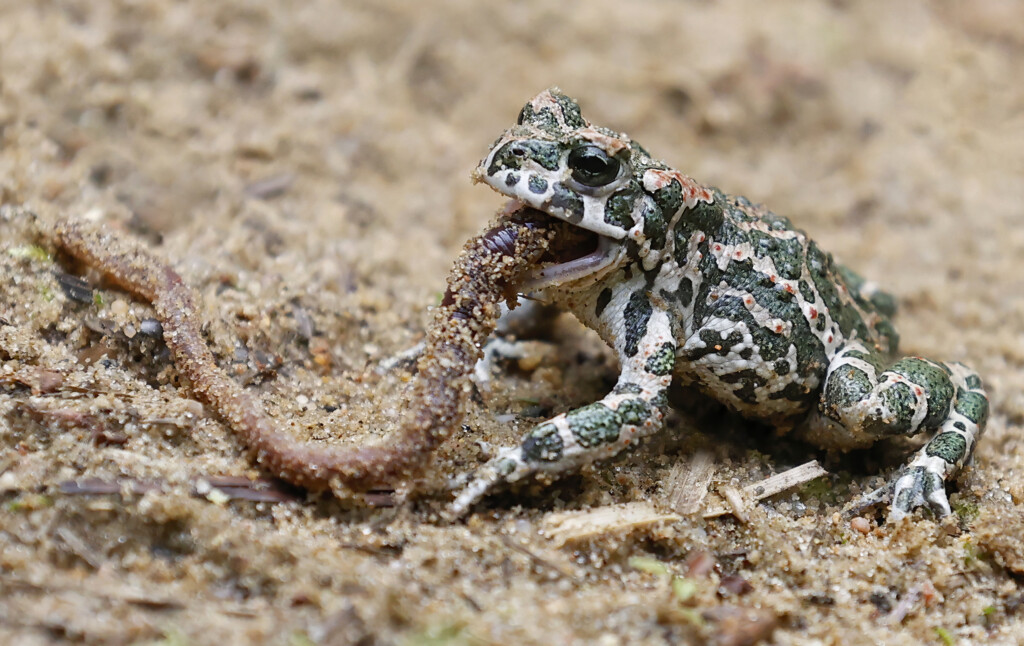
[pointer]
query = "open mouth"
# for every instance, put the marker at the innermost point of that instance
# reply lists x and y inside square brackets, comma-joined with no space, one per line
[575,253]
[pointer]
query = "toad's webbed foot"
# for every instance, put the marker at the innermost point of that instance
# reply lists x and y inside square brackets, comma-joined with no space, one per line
[911,488]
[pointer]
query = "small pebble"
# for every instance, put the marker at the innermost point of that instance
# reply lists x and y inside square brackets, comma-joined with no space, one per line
[862,525]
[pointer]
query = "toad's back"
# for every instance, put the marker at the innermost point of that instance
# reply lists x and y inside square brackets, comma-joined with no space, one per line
[760,310]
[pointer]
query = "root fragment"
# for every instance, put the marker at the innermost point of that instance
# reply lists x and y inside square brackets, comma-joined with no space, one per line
[486,273]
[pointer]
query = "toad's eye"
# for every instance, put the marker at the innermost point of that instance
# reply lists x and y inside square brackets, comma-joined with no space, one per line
[592,166]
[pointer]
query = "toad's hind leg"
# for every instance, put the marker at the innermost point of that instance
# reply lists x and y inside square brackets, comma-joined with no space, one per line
[635,408]
[865,399]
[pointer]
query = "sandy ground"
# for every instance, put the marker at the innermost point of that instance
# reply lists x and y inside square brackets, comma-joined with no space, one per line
[306,169]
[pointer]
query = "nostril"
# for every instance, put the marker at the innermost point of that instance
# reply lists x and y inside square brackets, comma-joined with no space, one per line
[518,151]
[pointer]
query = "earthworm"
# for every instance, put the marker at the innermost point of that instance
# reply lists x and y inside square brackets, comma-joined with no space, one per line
[487,271]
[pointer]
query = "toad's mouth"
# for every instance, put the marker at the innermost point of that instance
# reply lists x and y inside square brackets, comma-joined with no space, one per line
[574,254]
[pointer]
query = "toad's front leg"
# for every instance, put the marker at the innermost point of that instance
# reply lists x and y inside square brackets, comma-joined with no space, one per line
[635,408]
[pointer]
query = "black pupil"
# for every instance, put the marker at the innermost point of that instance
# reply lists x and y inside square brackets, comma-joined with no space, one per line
[591,166]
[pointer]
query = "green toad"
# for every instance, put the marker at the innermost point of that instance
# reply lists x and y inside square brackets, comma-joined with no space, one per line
[689,284]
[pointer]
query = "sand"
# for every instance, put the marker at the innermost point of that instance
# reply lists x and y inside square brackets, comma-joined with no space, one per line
[305,167]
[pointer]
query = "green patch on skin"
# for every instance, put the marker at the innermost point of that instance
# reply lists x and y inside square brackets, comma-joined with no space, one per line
[846,386]
[810,353]
[544,120]
[853,280]
[973,382]
[505,160]
[633,412]
[772,345]
[545,153]
[899,400]
[663,360]
[884,303]
[737,208]
[637,313]
[934,380]
[654,222]
[871,358]
[506,467]
[680,245]
[618,210]
[568,201]
[776,222]
[594,425]
[972,405]
[703,216]
[570,111]
[660,400]
[627,387]
[850,322]
[537,185]
[806,291]
[669,197]
[786,253]
[730,234]
[543,444]
[949,446]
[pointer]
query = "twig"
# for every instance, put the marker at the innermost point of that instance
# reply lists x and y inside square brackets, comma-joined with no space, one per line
[512,544]
[687,483]
[777,483]
[573,526]
[230,487]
